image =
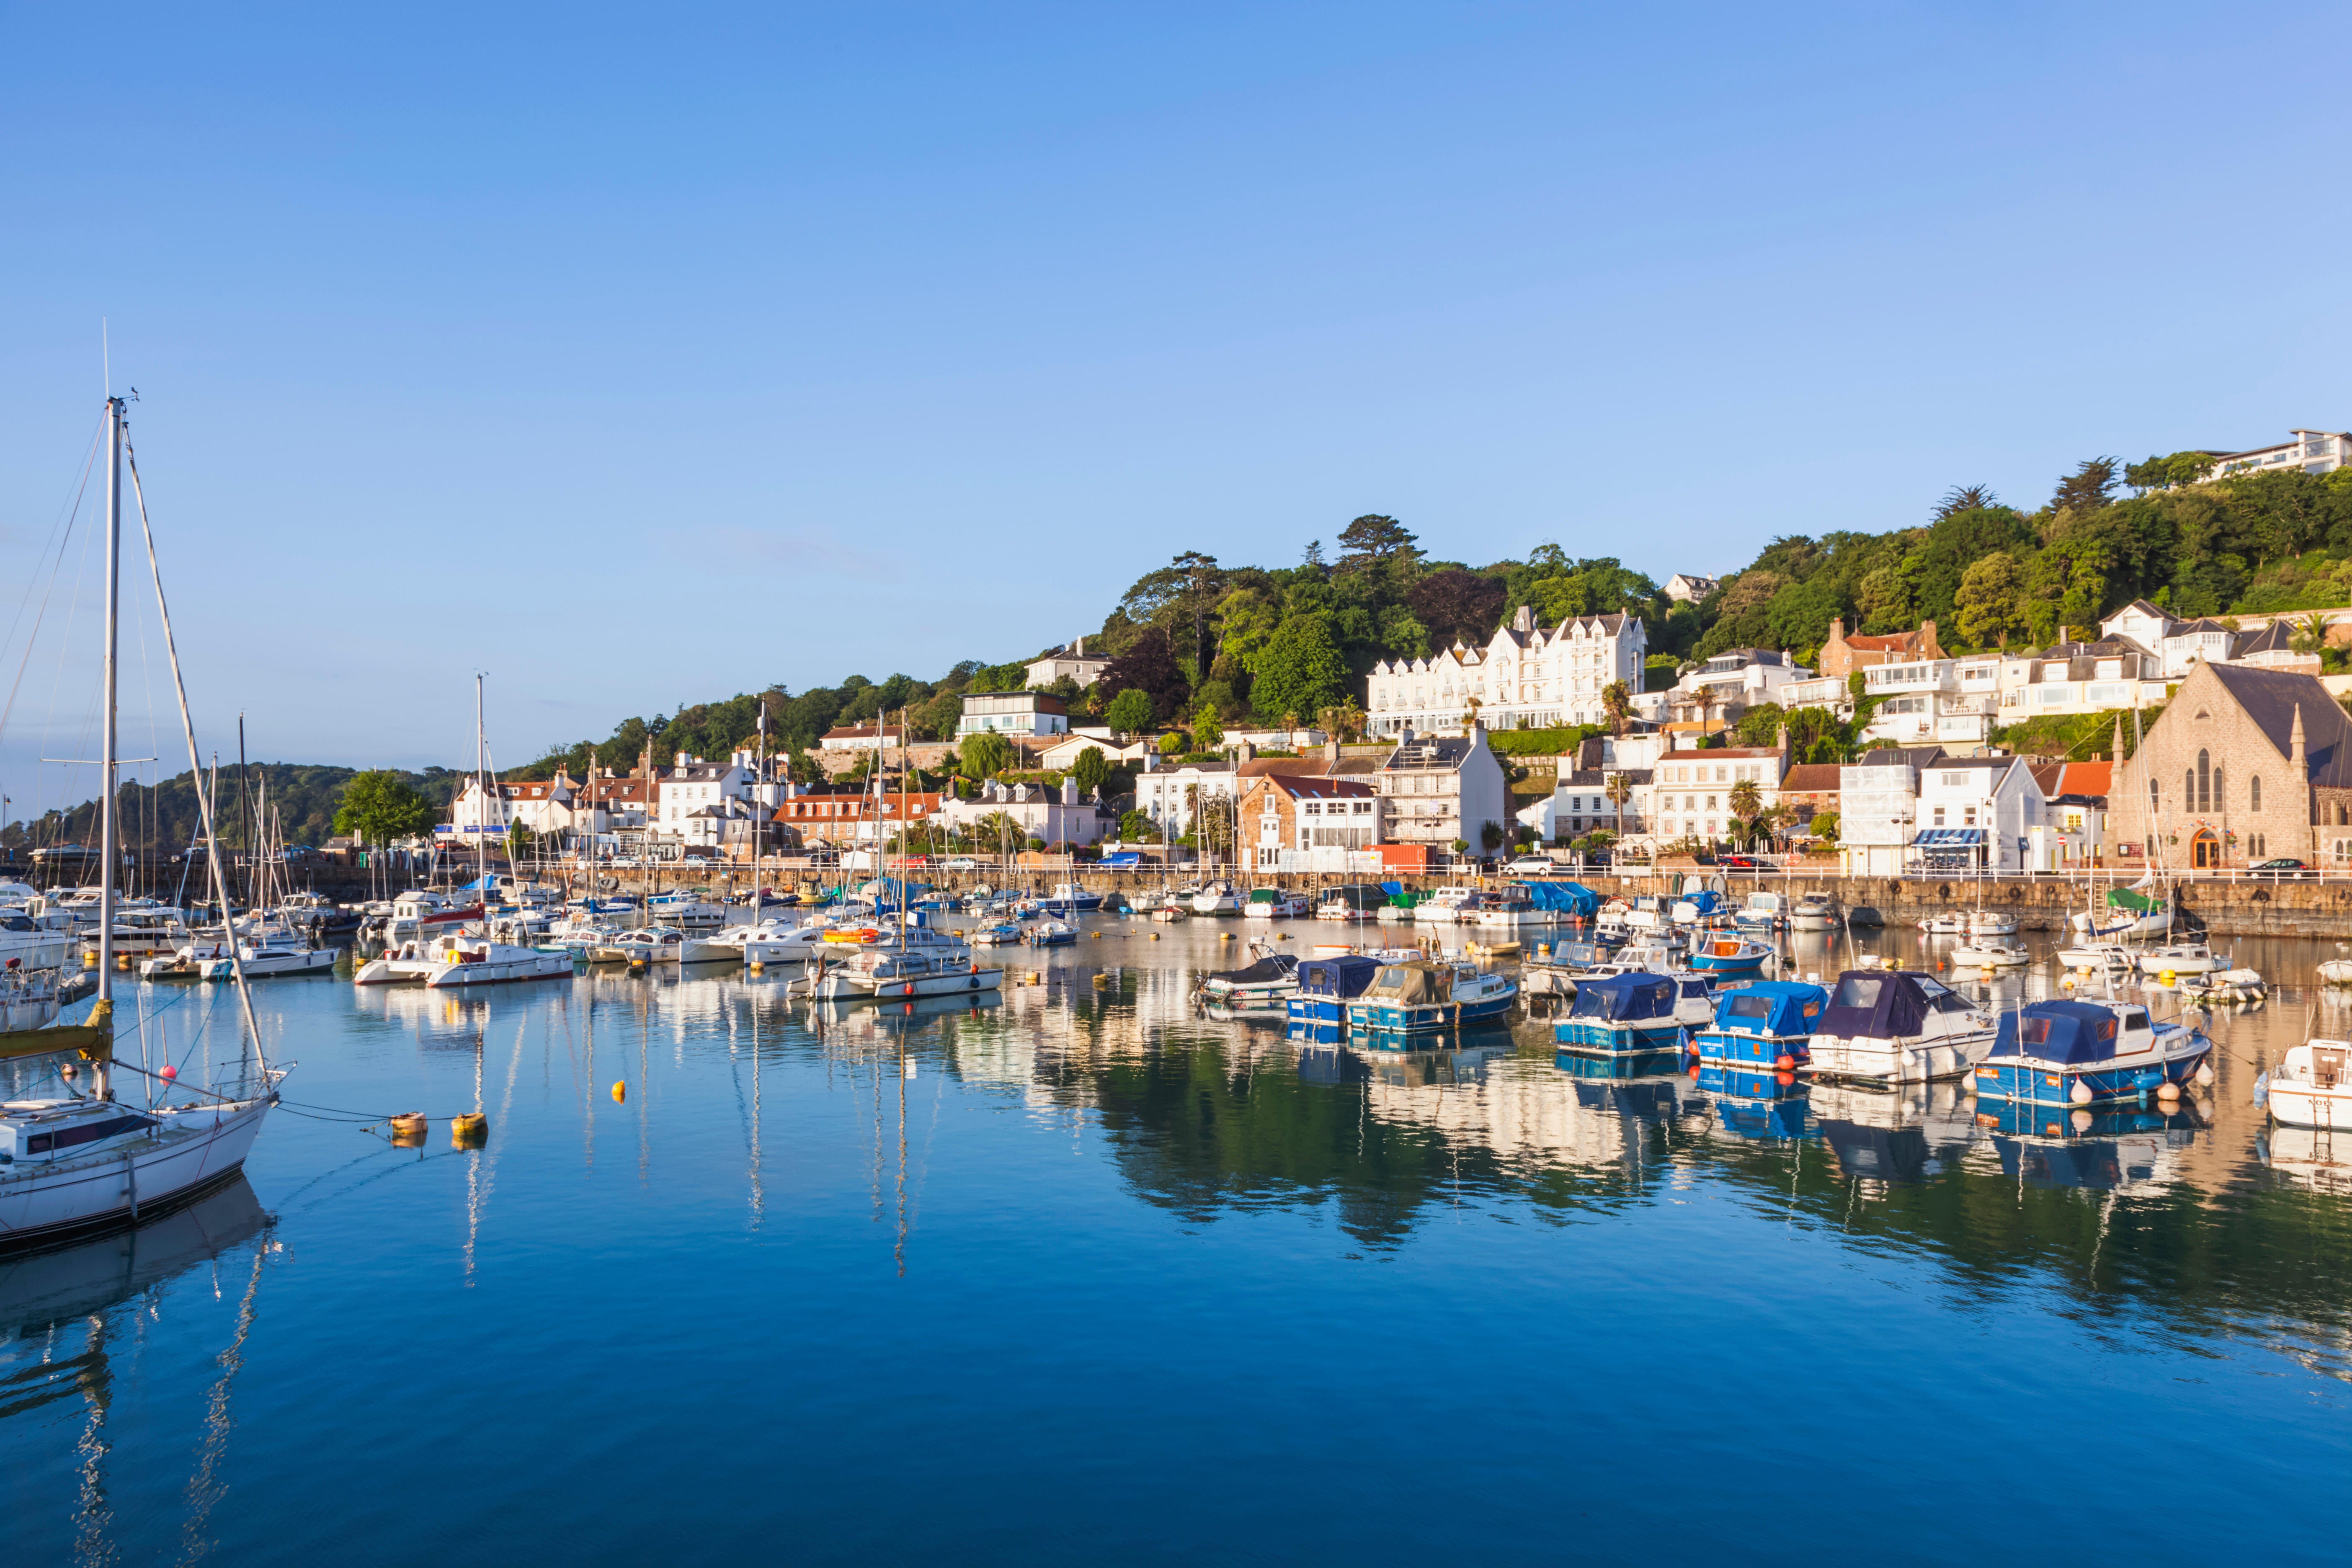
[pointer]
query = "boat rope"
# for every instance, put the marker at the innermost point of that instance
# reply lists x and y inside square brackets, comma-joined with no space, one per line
[61,531]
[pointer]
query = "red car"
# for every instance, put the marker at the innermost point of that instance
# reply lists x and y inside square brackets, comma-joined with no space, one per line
[1740,863]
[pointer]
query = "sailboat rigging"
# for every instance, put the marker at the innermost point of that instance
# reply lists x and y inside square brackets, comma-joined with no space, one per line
[83,1161]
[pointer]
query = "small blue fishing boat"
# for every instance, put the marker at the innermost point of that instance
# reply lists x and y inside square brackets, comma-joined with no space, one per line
[1052,933]
[1622,1014]
[1327,986]
[1731,956]
[1766,1026]
[1425,997]
[2088,1053]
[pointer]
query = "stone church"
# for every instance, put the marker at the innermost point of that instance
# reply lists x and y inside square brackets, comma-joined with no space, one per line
[2243,765]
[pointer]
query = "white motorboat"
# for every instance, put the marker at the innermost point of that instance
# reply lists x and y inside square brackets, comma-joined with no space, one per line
[1217,899]
[26,945]
[877,976]
[1946,924]
[461,962]
[1765,912]
[770,942]
[1170,914]
[1890,1026]
[650,945]
[1991,922]
[29,999]
[1990,952]
[2178,957]
[2226,987]
[686,912]
[1268,982]
[2312,1087]
[2098,955]
[271,951]
[2336,972]
[1273,904]
[1814,912]
[420,911]
[1442,906]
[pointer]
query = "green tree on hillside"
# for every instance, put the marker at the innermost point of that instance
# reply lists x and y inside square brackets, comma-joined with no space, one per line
[1300,671]
[1992,600]
[986,754]
[379,808]
[1131,712]
[1091,770]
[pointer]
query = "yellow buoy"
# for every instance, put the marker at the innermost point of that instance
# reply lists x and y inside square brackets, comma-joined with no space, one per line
[469,1131]
[2164,978]
[1155,936]
[407,1130]
[90,959]
[620,1092]
[758,967]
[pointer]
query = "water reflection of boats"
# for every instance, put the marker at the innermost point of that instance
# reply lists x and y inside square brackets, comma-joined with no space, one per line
[2317,1160]
[1751,1105]
[65,1283]
[1659,1098]
[1632,1065]
[1894,1137]
[2105,1150]
[898,1011]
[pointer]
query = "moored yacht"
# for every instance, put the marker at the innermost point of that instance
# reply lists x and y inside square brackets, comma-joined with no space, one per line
[2312,1086]
[1768,1025]
[1217,899]
[2089,1053]
[1890,1026]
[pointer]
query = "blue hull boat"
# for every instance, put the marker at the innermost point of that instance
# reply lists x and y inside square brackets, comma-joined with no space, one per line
[1601,1036]
[1431,1019]
[1768,1027]
[1425,997]
[1328,987]
[1728,956]
[2079,1054]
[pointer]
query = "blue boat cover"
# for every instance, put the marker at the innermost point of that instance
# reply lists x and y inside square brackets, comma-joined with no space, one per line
[1566,898]
[1875,1004]
[1772,1007]
[1392,889]
[1344,976]
[2071,1032]
[1703,901]
[1128,858]
[1626,998]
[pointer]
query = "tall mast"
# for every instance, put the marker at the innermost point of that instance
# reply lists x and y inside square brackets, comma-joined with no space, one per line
[109,830]
[481,792]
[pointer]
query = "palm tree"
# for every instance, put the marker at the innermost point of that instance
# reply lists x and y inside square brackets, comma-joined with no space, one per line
[1617,702]
[2311,633]
[1619,790]
[1746,804]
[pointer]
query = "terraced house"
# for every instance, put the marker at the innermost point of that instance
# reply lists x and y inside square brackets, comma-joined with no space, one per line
[1526,678]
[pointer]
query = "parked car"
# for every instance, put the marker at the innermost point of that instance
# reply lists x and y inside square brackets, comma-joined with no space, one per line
[960,863]
[1532,866]
[1740,863]
[2284,865]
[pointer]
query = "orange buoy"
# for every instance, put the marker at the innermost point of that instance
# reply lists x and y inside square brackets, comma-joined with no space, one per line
[620,1092]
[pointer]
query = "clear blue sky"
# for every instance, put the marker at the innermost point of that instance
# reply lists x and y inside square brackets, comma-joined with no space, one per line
[640,356]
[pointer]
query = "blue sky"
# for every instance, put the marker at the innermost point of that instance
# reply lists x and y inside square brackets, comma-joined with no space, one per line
[636,358]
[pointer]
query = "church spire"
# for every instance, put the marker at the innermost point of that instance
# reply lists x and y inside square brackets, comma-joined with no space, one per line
[2294,740]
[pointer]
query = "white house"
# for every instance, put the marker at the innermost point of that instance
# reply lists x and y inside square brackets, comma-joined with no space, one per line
[1736,680]
[1878,800]
[1170,796]
[1012,713]
[1438,789]
[692,783]
[1073,662]
[1977,813]
[1690,792]
[1524,677]
[1579,804]
[1689,587]
[1062,754]
[2313,451]
[1923,703]
[1052,817]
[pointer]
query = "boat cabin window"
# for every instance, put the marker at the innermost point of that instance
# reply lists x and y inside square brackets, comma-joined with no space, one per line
[1943,998]
[1860,991]
[2136,1019]
[1695,988]
[1748,1005]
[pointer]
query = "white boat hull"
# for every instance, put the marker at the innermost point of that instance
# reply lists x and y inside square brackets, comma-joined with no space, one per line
[845,987]
[1897,1061]
[47,1200]
[531,965]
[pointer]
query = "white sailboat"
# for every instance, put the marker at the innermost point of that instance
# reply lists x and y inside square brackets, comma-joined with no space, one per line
[79,1162]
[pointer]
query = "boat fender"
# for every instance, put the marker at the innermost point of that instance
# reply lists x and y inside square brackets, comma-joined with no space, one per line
[2205,1075]
[2080,1093]
[1784,1061]
[2168,1089]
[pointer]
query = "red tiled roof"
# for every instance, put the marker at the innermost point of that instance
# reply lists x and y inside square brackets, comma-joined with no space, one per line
[1810,778]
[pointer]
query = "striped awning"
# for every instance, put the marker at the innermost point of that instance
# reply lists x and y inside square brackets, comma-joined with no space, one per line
[1949,838]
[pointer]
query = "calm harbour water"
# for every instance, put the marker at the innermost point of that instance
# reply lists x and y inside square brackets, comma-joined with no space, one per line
[1078,1275]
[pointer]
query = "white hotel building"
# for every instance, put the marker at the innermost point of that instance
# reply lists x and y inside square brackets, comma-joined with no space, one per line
[1525,678]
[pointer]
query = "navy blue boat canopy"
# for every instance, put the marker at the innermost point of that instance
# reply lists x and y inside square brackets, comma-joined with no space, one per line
[1875,1004]
[1626,998]
[2069,1032]
[1772,1007]
[1343,976]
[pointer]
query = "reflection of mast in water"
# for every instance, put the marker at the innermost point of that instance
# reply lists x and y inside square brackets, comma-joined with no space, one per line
[482,1163]
[204,1487]
[759,1197]
[92,1512]
[898,1248]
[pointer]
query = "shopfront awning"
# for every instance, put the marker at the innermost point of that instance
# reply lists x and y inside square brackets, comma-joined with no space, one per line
[1949,838]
